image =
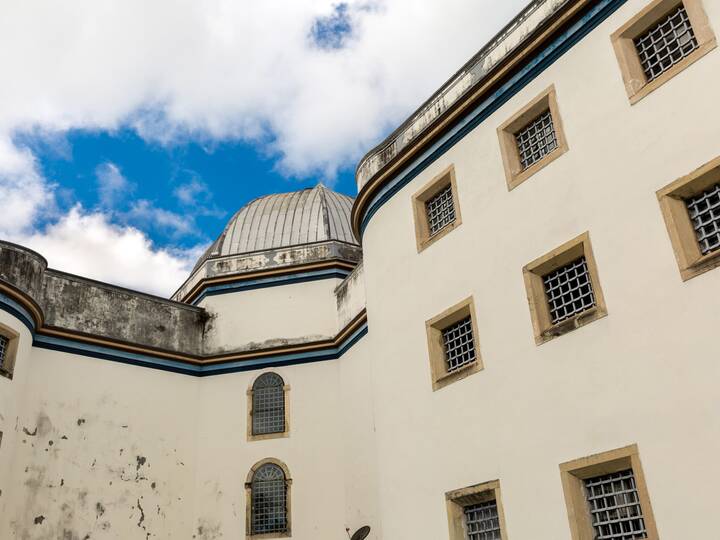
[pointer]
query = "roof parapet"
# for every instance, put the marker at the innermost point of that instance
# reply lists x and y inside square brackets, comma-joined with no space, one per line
[500,47]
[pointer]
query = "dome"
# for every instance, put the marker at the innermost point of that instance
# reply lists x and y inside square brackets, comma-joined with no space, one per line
[286,219]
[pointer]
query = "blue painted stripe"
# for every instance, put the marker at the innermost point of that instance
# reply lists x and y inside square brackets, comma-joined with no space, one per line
[274,281]
[601,11]
[136,359]
[10,306]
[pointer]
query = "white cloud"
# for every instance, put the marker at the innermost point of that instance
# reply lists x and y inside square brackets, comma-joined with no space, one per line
[120,255]
[146,215]
[112,185]
[210,70]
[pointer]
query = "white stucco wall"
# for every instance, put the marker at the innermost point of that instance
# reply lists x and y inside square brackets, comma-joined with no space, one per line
[11,396]
[642,375]
[271,316]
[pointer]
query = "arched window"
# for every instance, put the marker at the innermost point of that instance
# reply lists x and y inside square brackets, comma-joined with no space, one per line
[268,405]
[269,508]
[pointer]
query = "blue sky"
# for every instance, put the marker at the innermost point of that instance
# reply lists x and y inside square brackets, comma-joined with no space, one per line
[131,131]
[202,183]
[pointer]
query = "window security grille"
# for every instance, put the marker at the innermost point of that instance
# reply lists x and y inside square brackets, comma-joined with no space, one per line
[268,411]
[459,344]
[569,290]
[269,495]
[3,349]
[536,140]
[615,507]
[666,43]
[482,521]
[704,212]
[440,211]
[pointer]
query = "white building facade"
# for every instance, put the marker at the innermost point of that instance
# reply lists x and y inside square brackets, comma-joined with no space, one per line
[509,333]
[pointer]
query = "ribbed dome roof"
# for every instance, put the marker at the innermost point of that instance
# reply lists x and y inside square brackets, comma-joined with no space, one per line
[286,219]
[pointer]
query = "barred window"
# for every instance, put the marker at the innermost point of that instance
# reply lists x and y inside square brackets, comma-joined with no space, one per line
[268,404]
[459,344]
[614,505]
[704,211]
[4,342]
[269,500]
[440,210]
[569,290]
[482,521]
[666,43]
[536,140]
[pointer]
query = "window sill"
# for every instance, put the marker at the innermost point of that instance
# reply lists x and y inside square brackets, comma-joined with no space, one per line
[267,536]
[268,436]
[465,371]
[701,265]
[518,178]
[568,325]
[427,242]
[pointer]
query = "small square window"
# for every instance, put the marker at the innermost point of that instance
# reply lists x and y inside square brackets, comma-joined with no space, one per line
[4,344]
[453,344]
[614,504]
[607,498]
[563,290]
[440,210]
[569,290]
[476,513]
[659,42]
[691,209]
[8,351]
[532,138]
[666,43]
[436,209]
[704,210]
[458,344]
[536,140]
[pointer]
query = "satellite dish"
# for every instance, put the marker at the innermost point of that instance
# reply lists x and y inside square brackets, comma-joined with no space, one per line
[361,534]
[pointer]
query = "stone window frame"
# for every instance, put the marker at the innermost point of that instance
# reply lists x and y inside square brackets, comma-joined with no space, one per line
[419,199]
[543,328]
[691,262]
[266,436]
[633,76]
[458,499]
[436,350]
[514,173]
[7,368]
[248,501]
[573,474]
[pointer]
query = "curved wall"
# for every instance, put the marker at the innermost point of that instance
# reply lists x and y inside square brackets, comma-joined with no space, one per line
[641,375]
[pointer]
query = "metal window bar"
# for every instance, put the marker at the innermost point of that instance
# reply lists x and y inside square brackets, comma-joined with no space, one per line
[569,290]
[268,412]
[666,43]
[615,506]
[459,344]
[704,210]
[536,140]
[482,521]
[440,210]
[4,342]
[269,500]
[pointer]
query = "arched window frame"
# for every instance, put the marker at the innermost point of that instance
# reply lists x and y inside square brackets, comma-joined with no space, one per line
[251,436]
[248,505]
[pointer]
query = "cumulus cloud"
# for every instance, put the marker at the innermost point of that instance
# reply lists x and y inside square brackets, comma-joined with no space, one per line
[120,255]
[313,83]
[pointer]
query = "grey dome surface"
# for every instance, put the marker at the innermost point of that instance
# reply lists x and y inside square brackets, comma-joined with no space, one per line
[286,219]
